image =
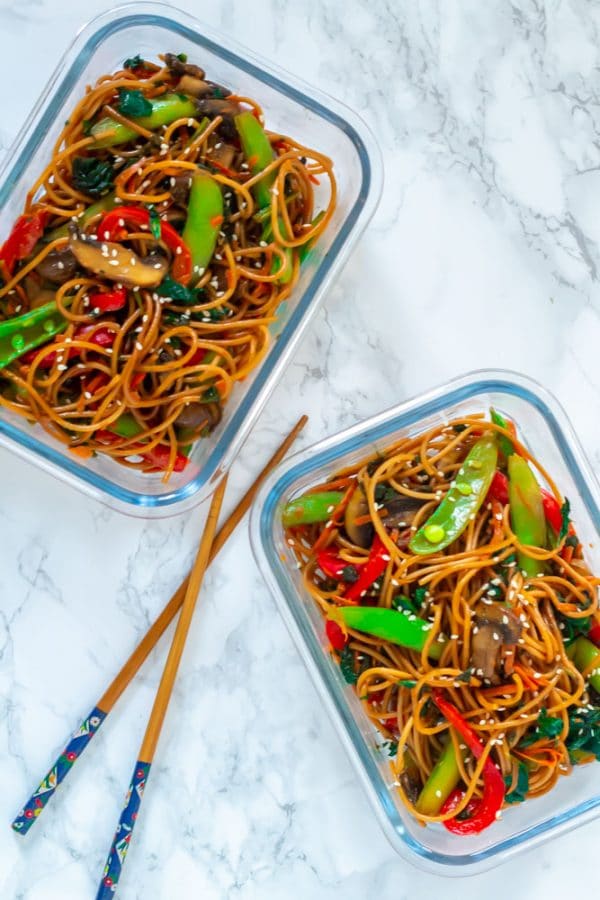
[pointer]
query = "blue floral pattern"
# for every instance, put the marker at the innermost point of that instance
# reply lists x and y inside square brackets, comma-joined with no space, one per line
[120,845]
[59,771]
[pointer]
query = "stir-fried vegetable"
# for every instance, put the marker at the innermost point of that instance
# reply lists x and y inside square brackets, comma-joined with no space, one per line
[442,781]
[164,110]
[462,501]
[29,331]
[311,508]
[204,220]
[482,812]
[390,625]
[526,512]
[258,152]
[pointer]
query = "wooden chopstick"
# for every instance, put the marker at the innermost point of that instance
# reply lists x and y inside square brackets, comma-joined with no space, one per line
[90,725]
[133,800]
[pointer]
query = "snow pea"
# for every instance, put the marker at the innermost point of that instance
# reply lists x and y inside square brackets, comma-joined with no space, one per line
[204,220]
[466,495]
[444,777]
[390,625]
[26,332]
[311,508]
[527,516]
[105,204]
[583,653]
[259,154]
[165,110]
[505,444]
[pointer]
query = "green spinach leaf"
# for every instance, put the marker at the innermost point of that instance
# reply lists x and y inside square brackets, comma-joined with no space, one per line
[133,104]
[92,176]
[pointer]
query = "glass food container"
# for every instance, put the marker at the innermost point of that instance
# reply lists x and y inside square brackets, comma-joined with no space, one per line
[546,431]
[290,107]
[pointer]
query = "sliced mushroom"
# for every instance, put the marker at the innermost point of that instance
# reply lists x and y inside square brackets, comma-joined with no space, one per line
[497,626]
[180,188]
[223,154]
[400,512]
[215,107]
[117,263]
[410,777]
[196,87]
[194,416]
[179,67]
[59,266]
[361,535]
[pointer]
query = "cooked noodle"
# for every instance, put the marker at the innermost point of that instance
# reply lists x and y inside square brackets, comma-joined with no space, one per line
[160,355]
[478,567]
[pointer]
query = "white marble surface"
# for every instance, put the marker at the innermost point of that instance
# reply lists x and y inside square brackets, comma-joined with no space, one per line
[484,252]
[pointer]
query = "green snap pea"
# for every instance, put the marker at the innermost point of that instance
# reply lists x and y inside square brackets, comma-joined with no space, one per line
[126,426]
[105,204]
[31,330]
[527,517]
[444,777]
[259,154]
[462,501]
[390,625]
[165,110]
[204,220]
[311,508]
[583,653]
[505,444]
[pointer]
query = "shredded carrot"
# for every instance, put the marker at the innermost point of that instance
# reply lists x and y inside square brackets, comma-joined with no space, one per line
[216,221]
[83,452]
[499,690]
[498,530]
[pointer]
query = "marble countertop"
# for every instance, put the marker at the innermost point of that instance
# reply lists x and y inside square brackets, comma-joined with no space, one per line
[484,252]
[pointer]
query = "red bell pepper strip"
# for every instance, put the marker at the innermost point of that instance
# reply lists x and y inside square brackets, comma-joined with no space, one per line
[333,565]
[499,488]
[552,510]
[26,232]
[136,380]
[594,634]
[337,637]
[111,228]
[102,337]
[109,301]
[483,812]
[159,458]
[375,566]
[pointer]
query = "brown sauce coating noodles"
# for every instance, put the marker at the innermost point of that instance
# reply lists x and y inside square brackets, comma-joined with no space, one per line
[451,587]
[161,359]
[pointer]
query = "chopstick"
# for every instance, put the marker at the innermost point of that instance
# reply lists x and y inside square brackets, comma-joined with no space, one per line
[133,800]
[90,725]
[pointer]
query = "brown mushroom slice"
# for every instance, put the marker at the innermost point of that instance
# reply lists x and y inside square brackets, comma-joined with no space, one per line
[400,512]
[361,535]
[194,416]
[410,778]
[497,626]
[485,648]
[216,107]
[179,186]
[197,87]
[116,263]
[59,266]
[179,67]
[223,154]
